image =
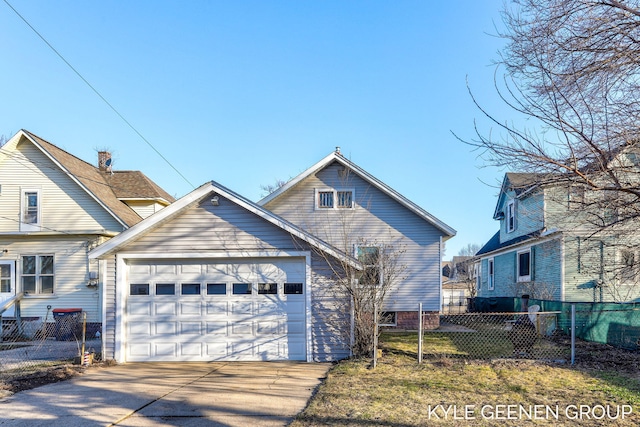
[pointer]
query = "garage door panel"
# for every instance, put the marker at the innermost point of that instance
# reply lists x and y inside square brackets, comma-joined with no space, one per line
[166,350]
[190,328]
[239,308]
[165,308]
[191,308]
[191,349]
[216,326]
[217,350]
[166,328]
[241,328]
[139,308]
[268,327]
[217,308]
[140,329]
[140,350]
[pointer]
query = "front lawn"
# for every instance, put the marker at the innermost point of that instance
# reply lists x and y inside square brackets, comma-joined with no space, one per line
[453,392]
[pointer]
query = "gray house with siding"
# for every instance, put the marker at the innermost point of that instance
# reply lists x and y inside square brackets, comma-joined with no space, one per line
[545,248]
[214,276]
[343,204]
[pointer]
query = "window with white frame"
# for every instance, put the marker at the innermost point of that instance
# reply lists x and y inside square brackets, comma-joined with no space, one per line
[334,199]
[37,274]
[524,265]
[30,210]
[511,216]
[490,274]
[369,256]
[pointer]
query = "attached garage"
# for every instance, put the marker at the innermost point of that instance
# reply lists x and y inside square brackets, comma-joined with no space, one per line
[216,310]
[214,277]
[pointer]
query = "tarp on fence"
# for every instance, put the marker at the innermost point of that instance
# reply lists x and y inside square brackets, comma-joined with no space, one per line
[605,323]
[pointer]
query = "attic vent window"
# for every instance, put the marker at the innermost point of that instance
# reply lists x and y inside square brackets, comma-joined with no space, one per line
[334,199]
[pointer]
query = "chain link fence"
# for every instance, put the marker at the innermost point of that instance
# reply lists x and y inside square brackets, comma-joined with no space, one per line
[29,345]
[488,336]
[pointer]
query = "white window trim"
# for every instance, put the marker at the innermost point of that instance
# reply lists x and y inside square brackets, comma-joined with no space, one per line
[510,226]
[379,266]
[38,293]
[491,274]
[335,192]
[526,278]
[24,226]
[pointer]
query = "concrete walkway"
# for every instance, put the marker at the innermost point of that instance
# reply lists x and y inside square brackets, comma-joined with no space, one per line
[170,394]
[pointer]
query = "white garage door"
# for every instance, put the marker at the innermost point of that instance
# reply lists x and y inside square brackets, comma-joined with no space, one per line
[203,311]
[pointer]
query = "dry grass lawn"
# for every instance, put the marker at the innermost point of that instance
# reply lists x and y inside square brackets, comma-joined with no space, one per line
[453,392]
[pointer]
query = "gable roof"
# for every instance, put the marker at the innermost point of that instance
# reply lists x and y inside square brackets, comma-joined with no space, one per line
[207,190]
[99,185]
[339,158]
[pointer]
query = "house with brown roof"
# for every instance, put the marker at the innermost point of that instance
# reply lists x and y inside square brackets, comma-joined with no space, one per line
[54,208]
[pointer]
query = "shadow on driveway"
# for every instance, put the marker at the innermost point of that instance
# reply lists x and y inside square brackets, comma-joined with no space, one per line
[171,394]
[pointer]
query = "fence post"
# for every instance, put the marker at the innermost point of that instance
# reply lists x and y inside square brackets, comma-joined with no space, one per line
[420,333]
[375,335]
[18,316]
[573,334]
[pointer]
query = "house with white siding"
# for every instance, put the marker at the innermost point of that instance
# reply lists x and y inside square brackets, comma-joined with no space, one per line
[54,208]
[214,276]
[547,249]
[341,203]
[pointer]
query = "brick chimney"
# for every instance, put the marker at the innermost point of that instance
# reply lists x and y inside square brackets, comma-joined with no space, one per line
[104,161]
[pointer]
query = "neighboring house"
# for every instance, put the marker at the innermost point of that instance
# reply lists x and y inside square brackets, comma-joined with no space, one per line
[54,208]
[346,206]
[214,276]
[460,284]
[546,249]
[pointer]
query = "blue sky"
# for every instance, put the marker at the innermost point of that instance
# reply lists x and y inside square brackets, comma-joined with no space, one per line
[249,92]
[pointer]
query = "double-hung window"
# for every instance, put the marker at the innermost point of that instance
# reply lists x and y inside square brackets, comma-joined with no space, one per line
[37,274]
[524,266]
[511,216]
[369,256]
[334,199]
[30,210]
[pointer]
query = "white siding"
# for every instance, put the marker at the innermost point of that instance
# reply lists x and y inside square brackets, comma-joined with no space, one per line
[71,274]
[144,208]
[65,207]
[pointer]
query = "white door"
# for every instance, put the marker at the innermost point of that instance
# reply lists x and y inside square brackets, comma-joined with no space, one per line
[7,284]
[233,310]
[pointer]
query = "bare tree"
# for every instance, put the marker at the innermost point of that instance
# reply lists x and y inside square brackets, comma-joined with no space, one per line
[360,293]
[570,70]
[270,188]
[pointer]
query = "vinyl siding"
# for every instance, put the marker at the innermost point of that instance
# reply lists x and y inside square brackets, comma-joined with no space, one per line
[529,213]
[546,272]
[65,206]
[377,218]
[71,274]
[144,208]
[228,227]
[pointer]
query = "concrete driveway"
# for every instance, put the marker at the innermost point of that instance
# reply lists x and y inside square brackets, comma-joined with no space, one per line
[170,394]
